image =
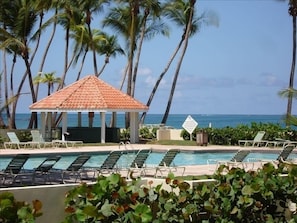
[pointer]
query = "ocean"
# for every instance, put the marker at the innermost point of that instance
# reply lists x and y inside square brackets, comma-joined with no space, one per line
[174,120]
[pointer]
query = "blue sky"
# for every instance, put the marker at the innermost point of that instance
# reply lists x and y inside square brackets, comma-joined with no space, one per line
[235,68]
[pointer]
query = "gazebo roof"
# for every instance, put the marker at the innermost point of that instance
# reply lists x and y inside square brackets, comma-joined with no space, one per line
[89,94]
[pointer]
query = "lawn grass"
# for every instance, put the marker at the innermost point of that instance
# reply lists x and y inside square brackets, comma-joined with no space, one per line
[174,142]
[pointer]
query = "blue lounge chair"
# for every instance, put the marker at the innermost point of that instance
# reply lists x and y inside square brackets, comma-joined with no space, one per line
[109,164]
[236,160]
[138,164]
[166,165]
[75,168]
[14,168]
[45,167]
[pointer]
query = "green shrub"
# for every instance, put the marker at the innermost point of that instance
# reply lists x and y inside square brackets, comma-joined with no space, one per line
[230,136]
[13,211]
[265,195]
[255,196]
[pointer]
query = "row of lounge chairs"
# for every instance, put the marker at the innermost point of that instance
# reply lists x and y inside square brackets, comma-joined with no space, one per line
[259,141]
[37,142]
[77,169]
[241,155]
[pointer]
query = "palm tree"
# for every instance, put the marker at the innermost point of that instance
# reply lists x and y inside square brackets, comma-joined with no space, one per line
[150,25]
[187,10]
[49,79]
[69,16]
[16,37]
[124,20]
[53,20]
[92,7]
[293,12]
[110,48]
[292,120]
[130,21]
[84,42]
[181,13]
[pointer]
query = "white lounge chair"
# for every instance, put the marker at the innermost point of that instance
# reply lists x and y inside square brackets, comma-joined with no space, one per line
[39,140]
[16,143]
[257,141]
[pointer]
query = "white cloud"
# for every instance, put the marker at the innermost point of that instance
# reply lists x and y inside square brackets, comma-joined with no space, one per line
[144,71]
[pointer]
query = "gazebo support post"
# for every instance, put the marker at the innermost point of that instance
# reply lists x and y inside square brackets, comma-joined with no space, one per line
[79,119]
[43,123]
[134,127]
[48,126]
[113,120]
[64,124]
[103,127]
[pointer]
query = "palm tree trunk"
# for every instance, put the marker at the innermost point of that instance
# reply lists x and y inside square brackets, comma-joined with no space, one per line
[81,65]
[46,50]
[6,88]
[65,60]
[187,35]
[102,69]
[33,120]
[160,79]
[10,113]
[292,73]
[138,56]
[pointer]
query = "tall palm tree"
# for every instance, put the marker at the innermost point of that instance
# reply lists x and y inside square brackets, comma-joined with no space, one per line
[292,12]
[181,13]
[124,20]
[48,78]
[110,48]
[131,21]
[84,42]
[17,36]
[150,25]
[53,20]
[187,10]
[91,7]
[69,16]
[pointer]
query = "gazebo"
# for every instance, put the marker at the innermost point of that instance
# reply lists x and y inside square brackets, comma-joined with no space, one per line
[92,95]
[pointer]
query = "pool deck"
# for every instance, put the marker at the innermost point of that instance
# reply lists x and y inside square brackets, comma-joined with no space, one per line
[189,170]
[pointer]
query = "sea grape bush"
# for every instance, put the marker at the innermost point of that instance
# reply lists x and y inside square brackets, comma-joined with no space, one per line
[230,135]
[13,211]
[265,195]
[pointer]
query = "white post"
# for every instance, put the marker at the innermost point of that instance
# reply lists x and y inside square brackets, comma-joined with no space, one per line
[64,124]
[49,126]
[43,123]
[103,130]
[134,127]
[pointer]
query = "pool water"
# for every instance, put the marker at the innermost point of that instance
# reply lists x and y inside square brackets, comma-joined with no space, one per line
[182,159]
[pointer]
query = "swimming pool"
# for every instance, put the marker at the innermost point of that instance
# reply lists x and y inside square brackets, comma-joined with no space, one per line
[184,158]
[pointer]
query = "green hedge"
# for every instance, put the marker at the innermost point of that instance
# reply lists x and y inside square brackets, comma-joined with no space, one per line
[230,136]
[265,195]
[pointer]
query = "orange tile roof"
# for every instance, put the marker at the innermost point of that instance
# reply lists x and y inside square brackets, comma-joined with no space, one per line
[88,94]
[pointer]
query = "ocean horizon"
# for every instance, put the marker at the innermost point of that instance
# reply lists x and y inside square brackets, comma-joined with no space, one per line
[174,120]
